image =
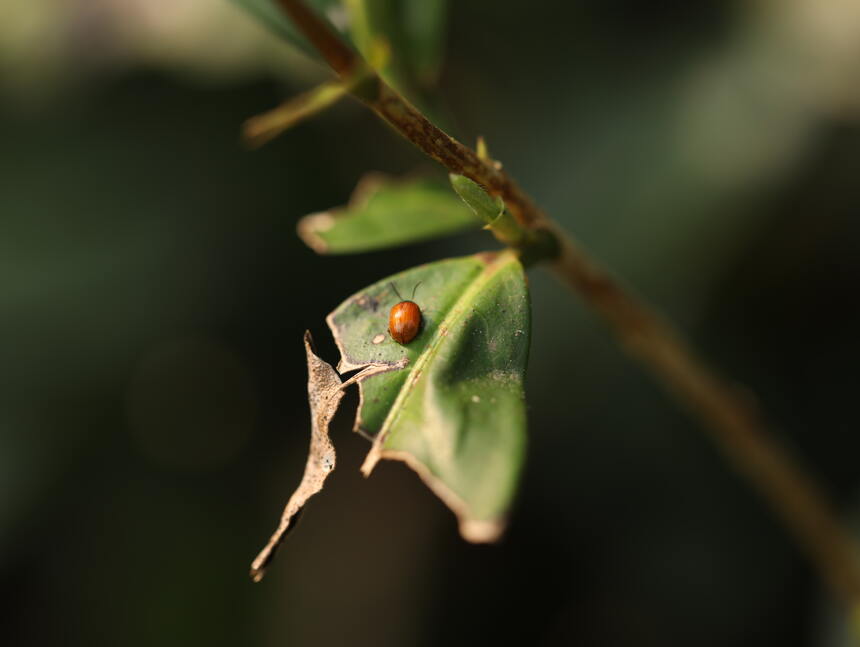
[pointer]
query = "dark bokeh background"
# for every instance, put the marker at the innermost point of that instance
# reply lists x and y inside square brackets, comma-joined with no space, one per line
[153,296]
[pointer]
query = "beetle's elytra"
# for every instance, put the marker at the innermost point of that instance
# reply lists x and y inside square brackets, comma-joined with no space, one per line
[404,321]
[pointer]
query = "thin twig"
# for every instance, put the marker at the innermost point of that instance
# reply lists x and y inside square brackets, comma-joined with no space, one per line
[726,409]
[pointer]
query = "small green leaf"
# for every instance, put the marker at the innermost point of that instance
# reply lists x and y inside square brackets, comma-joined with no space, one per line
[272,16]
[450,403]
[534,244]
[491,210]
[384,213]
[485,206]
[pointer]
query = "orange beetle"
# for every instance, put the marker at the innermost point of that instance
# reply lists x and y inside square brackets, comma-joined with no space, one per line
[404,320]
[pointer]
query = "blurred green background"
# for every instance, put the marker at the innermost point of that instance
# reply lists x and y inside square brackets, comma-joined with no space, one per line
[153,295]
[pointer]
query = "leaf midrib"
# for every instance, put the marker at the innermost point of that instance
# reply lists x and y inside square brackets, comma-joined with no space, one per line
[433,347]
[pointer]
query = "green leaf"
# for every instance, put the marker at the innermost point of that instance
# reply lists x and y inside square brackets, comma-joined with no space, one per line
[413,29]
[385,213]
[534,244]
[424,29]
[272,16]
[450,403]
[491,210]
[485,206]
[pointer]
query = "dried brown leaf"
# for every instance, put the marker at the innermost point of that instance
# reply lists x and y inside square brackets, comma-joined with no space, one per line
[324,395]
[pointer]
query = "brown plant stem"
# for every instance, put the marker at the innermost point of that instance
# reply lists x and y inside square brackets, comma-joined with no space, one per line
[727,410]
